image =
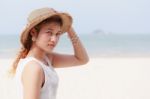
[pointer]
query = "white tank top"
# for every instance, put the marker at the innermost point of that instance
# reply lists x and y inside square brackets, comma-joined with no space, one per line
[49,89]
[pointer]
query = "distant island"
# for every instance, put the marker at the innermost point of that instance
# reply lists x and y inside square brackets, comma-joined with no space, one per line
[100,32]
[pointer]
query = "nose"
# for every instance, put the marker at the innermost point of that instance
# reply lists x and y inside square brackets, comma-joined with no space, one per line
[53,39]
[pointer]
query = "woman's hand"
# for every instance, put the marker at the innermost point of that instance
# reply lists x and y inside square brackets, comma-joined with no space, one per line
[71,32]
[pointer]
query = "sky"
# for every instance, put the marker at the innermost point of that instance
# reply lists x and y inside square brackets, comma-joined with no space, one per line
[109,16]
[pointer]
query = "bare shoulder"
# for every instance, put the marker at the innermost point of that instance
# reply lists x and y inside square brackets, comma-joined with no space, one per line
[32,71]
[32,80]
[33,67]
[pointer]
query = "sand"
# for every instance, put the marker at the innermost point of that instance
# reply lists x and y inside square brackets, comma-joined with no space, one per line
[101,78]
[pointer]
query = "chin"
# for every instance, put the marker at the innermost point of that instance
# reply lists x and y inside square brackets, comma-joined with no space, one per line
[49,51]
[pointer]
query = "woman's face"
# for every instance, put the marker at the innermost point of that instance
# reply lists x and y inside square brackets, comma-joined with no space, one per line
[48,36]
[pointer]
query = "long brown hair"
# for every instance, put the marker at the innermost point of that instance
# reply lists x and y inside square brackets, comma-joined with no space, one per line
[26,41]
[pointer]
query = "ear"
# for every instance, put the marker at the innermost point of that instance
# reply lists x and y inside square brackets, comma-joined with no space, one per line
[33,32]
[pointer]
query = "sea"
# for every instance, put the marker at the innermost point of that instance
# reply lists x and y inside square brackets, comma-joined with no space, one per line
[96,45]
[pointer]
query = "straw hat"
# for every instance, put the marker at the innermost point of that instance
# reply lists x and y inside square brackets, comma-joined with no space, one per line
[39,15]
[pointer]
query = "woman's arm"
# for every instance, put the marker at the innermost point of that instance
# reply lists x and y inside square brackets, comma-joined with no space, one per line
[32,78]
[80,56]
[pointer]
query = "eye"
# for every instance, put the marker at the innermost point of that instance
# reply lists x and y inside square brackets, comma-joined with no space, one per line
[58,34]
[49,32]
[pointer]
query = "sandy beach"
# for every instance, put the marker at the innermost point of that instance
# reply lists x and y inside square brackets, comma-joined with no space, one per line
[101,78]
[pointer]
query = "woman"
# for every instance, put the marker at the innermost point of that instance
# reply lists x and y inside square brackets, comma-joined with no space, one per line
[34,67]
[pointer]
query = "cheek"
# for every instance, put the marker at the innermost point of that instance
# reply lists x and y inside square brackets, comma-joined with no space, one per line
[42,39]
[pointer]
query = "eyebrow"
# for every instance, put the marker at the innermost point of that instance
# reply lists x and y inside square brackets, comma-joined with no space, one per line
[52,29]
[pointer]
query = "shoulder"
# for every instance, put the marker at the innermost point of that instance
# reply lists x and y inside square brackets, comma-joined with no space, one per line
[32,79]
[33,66]
[32,71]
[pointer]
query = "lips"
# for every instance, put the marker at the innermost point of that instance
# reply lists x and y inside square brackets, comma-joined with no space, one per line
[52,45]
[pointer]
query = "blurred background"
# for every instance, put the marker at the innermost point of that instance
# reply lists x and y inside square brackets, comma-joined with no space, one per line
[106,27]
[115,33]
